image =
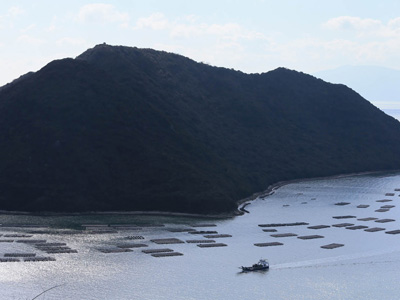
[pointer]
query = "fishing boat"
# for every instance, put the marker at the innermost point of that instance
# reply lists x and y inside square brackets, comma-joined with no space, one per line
[260,266]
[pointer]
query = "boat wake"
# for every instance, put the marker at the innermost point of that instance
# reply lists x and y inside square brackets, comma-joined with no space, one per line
[336,260]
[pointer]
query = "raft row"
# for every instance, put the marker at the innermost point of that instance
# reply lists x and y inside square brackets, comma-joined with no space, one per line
[168,241]
[214,236]
[27,259]
[356,227]
[135,237]
[131,246]
[319,227]
[204,232]
[19,254]
[268,244]
[343,225]
[279,235]
[18,235]
[212,245]
[310,237]
[283,224]
[199,241]
[368,219]
[115,250]
[167,254]
[151,251]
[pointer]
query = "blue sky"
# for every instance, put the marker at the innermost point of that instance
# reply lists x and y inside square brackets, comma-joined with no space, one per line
[252,36]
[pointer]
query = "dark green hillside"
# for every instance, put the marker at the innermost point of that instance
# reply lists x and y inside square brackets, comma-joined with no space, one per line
[122,128]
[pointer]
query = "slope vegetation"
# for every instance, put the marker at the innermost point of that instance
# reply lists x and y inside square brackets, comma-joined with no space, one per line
[121,128]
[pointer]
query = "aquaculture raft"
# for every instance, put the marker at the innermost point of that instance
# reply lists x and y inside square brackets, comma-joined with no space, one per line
[344,217]
[356,227]
[18,235]
[181,229]
[168,241]
[167,254]
[283,224]
[385,220]
[318,227]
[332,246]
[310,237]
[340,225]
[19,254]
[212,245]
[214,236]
[367,219]
[374,229]
[393,232]
[151,251]
[116,250]
[279,235]
[204,225]
[131,245]
[38,259]
[8,259]
[203,232]
[268,244]
[199,241]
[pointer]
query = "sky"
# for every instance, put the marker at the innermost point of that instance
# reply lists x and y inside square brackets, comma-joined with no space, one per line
[252,36]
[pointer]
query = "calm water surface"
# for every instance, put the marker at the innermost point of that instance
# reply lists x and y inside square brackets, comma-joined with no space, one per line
[366,267]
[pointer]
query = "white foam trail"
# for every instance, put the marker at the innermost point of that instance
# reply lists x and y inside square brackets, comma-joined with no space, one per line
[334,259]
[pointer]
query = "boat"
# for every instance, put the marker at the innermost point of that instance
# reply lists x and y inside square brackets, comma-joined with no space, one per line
[260,266]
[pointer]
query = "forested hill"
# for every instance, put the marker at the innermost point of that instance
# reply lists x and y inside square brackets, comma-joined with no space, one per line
[121,128]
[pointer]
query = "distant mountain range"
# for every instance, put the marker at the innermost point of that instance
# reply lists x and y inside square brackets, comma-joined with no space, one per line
[121,128]
[378,85]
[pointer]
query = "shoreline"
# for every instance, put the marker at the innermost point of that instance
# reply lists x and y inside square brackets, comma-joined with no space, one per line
[241,204]
[273,187]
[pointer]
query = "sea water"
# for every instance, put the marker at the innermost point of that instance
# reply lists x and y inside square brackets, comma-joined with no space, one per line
[366,267]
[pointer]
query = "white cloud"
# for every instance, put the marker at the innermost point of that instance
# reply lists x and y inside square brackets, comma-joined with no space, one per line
[190,27]
[394,24]
[15,11]
[30,40]
[102,13]
[8,19]
[156,21]
[71,41]
[353,23]
[365,28]
[28,28]
[370,42]
[52,27]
